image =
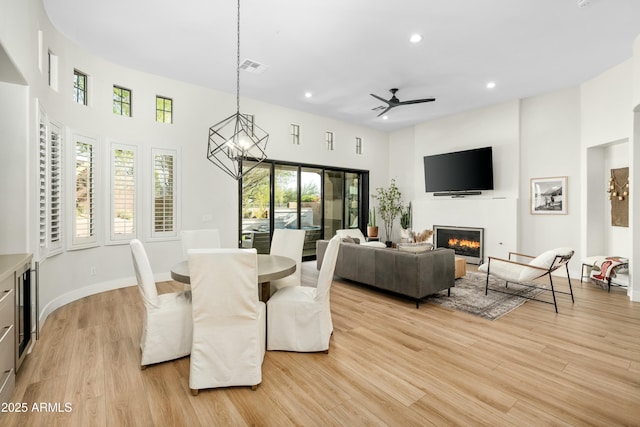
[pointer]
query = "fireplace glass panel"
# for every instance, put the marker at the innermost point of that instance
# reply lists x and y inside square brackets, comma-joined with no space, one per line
[467,242]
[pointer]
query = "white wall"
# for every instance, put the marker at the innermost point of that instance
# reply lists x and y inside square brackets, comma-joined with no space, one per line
[606,105]
[550,147]
[607,121]
[617,239]
[497,216]
[545,135]
[401,162]
[13,169]
[204,189]
[634,171]
[496,210]
[496,126]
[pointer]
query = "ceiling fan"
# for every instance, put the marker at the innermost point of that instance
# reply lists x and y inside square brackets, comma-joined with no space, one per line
[395,102]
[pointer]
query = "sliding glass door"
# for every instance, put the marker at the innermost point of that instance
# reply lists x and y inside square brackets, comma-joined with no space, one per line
[255,208]
[333,202]
[311,208]
[317,199]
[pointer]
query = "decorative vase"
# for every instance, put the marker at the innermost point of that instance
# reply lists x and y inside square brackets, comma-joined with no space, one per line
[388,243]
[372,231]
[405,235]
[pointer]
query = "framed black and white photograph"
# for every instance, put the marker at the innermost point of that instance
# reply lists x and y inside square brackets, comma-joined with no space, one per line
[549,195]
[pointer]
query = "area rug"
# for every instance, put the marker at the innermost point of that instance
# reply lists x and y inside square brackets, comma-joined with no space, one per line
[468,296]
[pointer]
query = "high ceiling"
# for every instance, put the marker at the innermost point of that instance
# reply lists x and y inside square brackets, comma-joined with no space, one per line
[342,50]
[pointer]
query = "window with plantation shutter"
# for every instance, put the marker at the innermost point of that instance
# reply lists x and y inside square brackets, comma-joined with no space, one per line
[164,206]
[84,185]
[42,187]
[55,190]
[123,192]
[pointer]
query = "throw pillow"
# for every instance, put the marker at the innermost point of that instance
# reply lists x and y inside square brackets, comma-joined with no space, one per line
[350,239]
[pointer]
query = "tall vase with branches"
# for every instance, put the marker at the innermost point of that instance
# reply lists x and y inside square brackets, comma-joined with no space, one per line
[389,206]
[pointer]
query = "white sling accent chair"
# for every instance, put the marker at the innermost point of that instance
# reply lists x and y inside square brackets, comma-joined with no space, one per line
[167,327]
[523,274]
[229,323]
[299,317]
[289,243]
[199,239]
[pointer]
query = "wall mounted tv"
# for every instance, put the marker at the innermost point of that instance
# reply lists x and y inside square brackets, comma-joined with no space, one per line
[459,173]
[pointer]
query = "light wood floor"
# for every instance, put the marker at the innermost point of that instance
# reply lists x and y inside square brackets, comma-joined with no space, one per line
[389,364]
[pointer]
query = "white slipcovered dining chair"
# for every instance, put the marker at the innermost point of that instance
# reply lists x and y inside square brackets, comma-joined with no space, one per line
[229,323]
[199,239]
[299,317]
[289,243]
[167,326]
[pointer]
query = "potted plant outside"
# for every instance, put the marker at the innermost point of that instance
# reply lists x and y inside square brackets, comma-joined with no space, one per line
[372,228]
[389,207]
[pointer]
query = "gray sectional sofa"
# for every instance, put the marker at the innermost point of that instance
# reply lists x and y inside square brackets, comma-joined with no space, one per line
[415,275]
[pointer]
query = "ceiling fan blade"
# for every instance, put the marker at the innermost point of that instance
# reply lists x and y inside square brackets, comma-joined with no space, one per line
[386,109]
[417,101]
[380,99]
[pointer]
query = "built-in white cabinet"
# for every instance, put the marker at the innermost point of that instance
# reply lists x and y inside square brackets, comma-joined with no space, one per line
[14,270]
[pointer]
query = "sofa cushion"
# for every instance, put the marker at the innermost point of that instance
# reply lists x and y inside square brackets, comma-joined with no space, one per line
[373,244]
[415,247]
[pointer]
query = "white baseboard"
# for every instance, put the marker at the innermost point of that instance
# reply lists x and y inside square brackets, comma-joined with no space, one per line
[86,291]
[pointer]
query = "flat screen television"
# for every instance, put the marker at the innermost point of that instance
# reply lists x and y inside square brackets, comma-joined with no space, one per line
[459,171]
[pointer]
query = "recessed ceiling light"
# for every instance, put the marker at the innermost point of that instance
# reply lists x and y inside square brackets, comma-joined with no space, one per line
[385,117]
[415,38]
[308,94]
[491,85]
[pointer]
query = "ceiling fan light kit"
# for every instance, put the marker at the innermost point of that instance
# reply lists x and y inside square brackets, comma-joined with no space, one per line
[395,102]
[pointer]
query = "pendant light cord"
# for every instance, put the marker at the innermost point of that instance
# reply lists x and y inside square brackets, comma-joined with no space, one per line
[238,65]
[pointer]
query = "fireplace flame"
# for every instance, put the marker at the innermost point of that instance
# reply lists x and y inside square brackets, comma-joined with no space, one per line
[464,243]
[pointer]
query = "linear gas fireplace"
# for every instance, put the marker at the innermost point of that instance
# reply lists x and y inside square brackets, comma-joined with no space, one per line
[467,242]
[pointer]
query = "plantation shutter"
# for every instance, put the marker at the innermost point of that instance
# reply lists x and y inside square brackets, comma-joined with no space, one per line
[84,231]
[164,193]
[55,190]
[123,192]
[42,188]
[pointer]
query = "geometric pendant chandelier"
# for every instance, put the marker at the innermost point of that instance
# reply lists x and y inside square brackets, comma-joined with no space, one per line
[237,137]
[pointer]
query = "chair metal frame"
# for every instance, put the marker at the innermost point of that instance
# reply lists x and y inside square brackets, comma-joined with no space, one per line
[558,262]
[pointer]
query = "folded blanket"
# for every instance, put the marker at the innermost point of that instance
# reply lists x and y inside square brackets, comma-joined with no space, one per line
[605,268]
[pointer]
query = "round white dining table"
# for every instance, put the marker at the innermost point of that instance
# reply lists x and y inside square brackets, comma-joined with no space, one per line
[270,267]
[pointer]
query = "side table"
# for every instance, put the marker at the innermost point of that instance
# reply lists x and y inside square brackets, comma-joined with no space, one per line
[461,267]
